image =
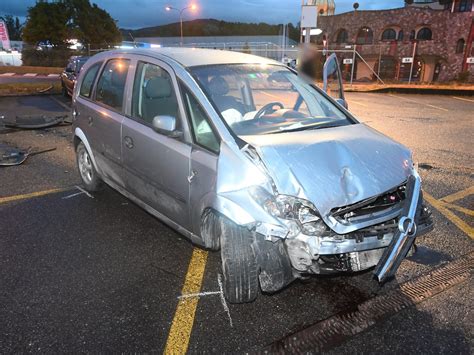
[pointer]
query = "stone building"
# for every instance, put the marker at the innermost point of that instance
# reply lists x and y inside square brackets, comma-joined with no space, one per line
[438,35]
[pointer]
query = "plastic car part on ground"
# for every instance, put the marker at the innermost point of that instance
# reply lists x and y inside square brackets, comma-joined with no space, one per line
[10,156]
[35,121]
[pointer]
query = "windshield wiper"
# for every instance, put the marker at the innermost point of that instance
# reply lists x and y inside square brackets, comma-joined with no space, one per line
[301,127]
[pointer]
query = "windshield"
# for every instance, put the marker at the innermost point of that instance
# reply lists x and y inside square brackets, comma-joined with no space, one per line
[263,99]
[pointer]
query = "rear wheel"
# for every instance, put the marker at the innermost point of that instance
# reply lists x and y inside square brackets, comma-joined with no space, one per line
[239,264]
[89,175]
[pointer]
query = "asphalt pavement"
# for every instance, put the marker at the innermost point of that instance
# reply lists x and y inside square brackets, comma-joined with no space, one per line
[83,273]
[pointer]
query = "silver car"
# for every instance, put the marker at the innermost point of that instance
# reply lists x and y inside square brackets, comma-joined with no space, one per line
[240,153]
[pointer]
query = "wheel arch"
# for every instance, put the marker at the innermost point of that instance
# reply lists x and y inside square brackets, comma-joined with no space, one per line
[79,137]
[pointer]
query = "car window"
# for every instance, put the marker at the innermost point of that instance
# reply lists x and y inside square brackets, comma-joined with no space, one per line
[266,99]
[111,84]
[153,94]
[203,133]
[88,81]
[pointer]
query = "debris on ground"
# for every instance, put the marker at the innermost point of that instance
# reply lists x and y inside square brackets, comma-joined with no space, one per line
[34,121]
[10,156]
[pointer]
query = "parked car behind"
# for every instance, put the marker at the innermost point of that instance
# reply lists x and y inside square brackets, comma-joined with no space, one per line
[70,74]
[240,153]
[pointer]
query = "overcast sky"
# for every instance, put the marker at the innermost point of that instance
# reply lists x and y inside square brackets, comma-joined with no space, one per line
[145,13]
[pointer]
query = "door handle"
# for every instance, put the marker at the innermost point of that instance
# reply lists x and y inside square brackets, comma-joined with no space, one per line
[128,142]
[192,176]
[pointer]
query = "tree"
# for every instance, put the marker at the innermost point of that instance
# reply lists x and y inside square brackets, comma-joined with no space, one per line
[59,21]
[92,25]
[13,27]
[47,22]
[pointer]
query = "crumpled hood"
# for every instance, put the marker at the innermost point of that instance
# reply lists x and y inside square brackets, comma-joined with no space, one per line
[333,167]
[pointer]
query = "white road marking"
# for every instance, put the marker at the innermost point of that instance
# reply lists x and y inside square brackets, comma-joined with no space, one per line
[222,297]
[84,191]
[30,74]
[210,293]
[73,195]
[200,294]
[462,98]
[357,103]
[7,74]
[55,75]
[418,102]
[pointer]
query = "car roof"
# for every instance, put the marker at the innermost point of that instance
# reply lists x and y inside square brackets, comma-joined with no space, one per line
[191,57]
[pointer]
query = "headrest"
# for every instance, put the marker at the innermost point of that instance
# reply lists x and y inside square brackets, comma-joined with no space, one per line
[218,86]
[158,87]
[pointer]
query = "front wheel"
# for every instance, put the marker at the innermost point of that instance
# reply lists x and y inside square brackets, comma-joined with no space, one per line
[89,175]
[239,264]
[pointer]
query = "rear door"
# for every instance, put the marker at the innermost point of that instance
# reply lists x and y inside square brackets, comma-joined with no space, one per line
[332,80]
[156,166]
[105,116]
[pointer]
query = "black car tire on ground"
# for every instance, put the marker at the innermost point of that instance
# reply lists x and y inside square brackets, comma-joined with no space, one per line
[239,263]
[94,183]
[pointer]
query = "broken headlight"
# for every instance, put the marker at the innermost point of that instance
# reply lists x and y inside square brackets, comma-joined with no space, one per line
[301,214]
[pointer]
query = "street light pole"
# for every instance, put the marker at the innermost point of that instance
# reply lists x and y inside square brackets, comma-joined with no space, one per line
[169,8]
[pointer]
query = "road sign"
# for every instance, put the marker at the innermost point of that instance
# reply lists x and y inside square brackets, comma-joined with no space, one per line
[309,16]
[470,60]
[407,60]
[347,61]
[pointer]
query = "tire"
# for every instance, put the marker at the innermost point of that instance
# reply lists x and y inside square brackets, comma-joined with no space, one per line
[239,264]
[89,176]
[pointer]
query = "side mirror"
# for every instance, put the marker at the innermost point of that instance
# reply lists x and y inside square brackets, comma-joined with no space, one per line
[166,125]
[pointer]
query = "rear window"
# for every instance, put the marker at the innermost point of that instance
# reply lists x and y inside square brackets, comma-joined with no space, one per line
[88,81]
[111,84]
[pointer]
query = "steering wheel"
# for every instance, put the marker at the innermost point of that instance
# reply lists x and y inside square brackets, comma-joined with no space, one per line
[268,108]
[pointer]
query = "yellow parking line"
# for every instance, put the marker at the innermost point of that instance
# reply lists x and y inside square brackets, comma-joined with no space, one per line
[180,332]
[458,195]
[419,103]
[466,211]
[441,207]
[462,98]
[31,195]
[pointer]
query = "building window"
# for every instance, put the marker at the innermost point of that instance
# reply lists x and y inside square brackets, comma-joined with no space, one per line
[342,37]
[389,35]
[424,34]
[365,36]
[400,35]
[465,5]
[460,46]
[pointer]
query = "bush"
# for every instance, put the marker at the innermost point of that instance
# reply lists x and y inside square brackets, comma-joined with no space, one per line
[46,57]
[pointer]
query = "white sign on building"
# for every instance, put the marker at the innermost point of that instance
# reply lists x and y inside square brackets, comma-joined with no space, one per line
[347,61]
[470,60]
[407,60]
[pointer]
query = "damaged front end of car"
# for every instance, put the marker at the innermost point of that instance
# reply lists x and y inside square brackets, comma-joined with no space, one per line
[311,229]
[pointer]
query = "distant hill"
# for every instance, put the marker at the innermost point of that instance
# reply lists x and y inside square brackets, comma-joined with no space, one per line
[211,27]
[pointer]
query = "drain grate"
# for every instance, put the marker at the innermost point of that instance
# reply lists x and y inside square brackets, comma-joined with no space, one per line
[328,333]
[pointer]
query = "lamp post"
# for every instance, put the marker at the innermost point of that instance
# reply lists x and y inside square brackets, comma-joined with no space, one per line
[191,7]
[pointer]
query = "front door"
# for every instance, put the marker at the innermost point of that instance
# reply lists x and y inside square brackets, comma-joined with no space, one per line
[156,166]
[332,80]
